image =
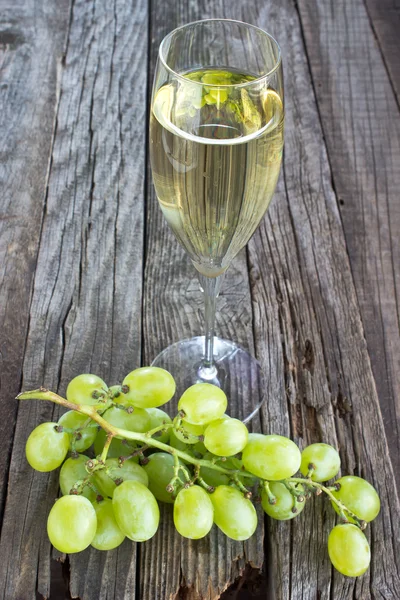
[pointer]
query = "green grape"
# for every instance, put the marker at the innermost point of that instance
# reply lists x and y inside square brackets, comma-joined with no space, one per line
[138,420]
[190,434]
[349,550]
[129,470]
[149,387]
[136,511]
[83,389]
[216,478]
[176,443]
[254,436]
[225,437]
[235,516]
[271,457]
[74,470]
[115,391]
[179,445]
[117,447]
[71,525]
[234,463]
[73,420]
[46,448]
[199,449]
[359,496]
[212,477]
[325,459]
[203,403]
[159,417]
[193,513]
[285,502]
[108,534]
[160,470]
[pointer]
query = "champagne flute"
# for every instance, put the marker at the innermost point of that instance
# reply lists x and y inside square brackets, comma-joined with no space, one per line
[216,141]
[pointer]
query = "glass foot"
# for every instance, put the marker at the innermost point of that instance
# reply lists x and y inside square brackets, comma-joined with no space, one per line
[236,372]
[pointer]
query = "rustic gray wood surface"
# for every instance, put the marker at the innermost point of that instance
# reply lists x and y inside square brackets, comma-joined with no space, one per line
[32,36]
[360,120]
[92,280]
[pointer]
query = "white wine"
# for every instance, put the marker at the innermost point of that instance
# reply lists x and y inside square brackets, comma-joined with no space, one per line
[215,154]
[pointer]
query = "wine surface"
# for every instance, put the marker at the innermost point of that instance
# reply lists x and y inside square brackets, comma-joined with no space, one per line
[215,154]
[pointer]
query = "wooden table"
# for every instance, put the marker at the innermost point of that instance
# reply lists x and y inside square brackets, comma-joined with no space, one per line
[92,280]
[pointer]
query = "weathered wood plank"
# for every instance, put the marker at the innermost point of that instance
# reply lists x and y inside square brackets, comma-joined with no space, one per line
[385,20]
[318,377]
[310,340]
[32,36]
[170,566]
[307,367]
[86,305]
[361,124]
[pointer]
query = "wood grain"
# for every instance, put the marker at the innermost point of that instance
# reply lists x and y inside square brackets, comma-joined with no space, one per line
[86,304]
[384,18]
[361,124]
[320,375]
[32,36]
[291,297]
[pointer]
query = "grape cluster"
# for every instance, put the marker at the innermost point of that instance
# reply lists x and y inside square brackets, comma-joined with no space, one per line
[203,462]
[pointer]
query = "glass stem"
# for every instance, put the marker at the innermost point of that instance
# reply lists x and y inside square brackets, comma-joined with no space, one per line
[211,287]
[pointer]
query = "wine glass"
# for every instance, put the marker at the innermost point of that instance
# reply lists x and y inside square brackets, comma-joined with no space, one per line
[216,141]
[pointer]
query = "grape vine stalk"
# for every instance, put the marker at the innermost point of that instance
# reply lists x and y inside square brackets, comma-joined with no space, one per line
[203,462]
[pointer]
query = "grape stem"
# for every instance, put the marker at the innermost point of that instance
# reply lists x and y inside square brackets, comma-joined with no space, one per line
[292,489]
[160,428]
[342,508]
[80,485]
[176,480]
[177,422]
[177,426]
[106,448]
[91,411]
[241,487]
[137,452]
[197,478]
[270,495]
[87,423]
